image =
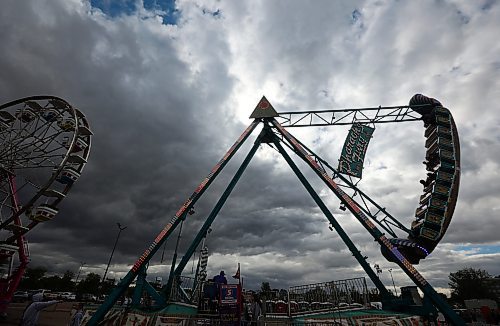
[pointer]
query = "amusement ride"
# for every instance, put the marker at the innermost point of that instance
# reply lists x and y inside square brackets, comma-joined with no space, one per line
[403,245]
[44,145]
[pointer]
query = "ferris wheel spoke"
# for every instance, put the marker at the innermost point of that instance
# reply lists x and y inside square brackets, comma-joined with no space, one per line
[22,144]
[38,143]
[40,152]
[37,160]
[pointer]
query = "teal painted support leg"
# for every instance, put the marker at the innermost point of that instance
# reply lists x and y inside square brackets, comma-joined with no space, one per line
[218,206]
[402,262]
[171,276]
[136,297]
[122,287]
[159,299]
[143,285]
[352,247]
[167,289]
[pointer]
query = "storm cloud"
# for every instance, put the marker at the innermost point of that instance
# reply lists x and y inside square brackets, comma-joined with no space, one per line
[165,101]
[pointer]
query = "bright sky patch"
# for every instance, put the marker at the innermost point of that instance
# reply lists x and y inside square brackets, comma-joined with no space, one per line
[480,249]
[113,8]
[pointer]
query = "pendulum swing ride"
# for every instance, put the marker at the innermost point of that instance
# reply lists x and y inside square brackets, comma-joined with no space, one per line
[432,217]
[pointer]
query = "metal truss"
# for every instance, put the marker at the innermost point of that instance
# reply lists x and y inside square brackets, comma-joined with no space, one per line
[340,117]
[371,208]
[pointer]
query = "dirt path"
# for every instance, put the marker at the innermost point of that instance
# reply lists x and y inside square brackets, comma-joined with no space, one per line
[58,314]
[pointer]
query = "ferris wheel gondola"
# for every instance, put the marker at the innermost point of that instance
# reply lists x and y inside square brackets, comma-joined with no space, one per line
[44,146]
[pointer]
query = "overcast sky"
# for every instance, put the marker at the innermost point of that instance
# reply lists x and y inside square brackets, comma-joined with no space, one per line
[168,87]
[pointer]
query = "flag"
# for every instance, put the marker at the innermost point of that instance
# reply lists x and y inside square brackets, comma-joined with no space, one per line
[237,275]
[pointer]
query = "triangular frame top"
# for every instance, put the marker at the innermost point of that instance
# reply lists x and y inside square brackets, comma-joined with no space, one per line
[264,109]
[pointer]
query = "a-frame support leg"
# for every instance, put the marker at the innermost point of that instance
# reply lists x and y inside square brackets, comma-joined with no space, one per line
[400,260]
[143,285]
[218,206]
[139,283]
[352,247]
[169,228]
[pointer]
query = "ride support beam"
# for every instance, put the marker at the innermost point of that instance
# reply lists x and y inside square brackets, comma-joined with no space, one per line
[169,228]
[174,260]
[387,216]
[218,206]
[139,286]
[400,260]
[155,296]
[340,117]
[343,235]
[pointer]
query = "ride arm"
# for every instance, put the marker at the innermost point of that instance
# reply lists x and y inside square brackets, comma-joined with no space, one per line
[349,116]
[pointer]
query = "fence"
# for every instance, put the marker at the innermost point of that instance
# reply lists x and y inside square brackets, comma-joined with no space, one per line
[342,294]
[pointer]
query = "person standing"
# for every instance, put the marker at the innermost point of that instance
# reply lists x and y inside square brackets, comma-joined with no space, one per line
[30,315]
[76,320]
[221,278]
[256,308]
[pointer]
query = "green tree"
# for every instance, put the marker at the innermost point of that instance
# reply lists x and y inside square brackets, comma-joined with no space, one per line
[90,284]
[108,286]
[32,277]
[67,283]
[469,283]
[265,289]
[283,294]
[51,282]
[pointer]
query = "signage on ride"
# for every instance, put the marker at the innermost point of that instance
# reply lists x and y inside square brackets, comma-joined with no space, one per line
[229,304]
[354,150]
[229,294]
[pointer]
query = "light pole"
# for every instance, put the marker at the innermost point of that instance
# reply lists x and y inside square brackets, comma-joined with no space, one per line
[395,291]
[113,251]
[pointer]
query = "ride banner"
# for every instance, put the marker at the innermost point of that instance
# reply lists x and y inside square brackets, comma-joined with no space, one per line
[354,150]
[229,304]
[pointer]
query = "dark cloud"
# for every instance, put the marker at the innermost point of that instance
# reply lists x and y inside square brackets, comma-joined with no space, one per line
[165,102]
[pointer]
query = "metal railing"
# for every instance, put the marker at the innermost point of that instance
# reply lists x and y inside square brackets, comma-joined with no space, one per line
[328,296]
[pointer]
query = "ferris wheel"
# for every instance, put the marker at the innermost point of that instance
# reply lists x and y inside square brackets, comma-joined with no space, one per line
[44,146]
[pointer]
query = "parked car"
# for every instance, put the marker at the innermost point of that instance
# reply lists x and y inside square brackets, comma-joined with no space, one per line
[20,296]
[68,296]
[49,295]
[42,291]
[89,297]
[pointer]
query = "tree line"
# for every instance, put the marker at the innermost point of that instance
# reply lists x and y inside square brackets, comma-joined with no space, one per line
[36,278]
[469,283]
[466,283]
